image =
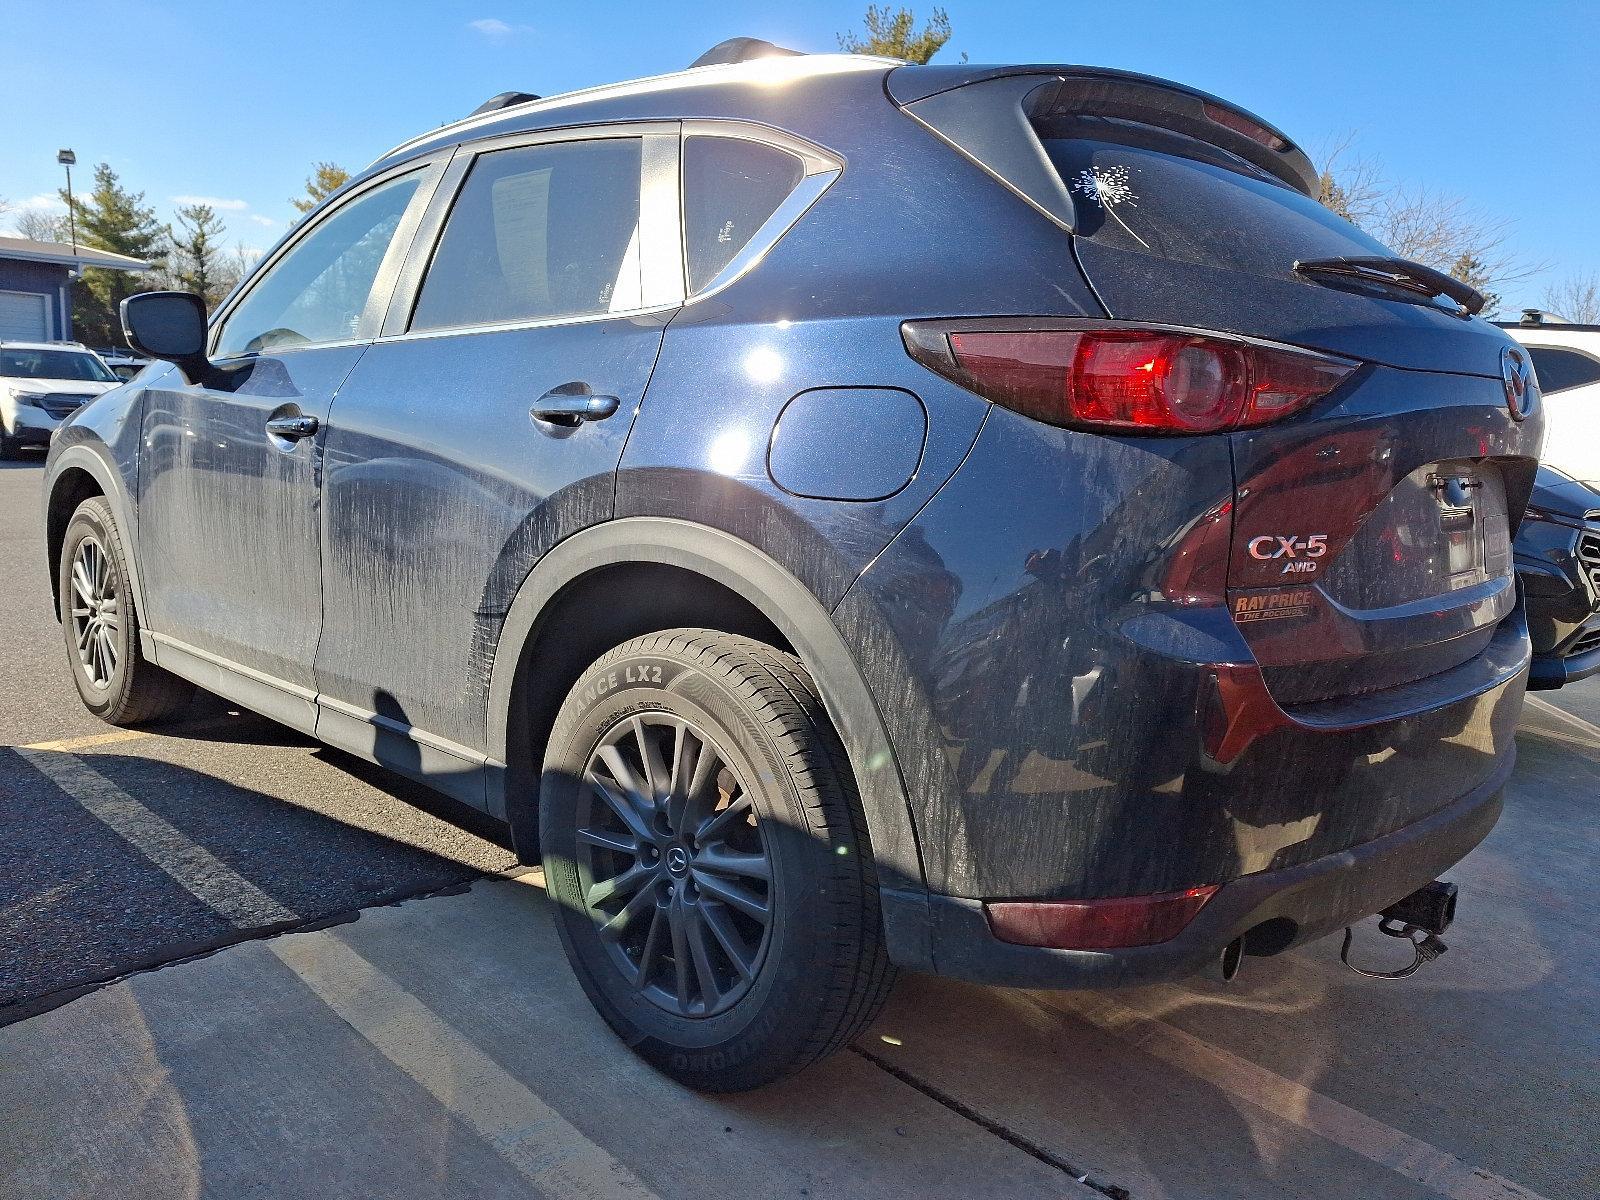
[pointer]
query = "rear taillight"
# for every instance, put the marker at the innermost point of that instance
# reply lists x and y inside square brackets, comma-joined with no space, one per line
[1128,378]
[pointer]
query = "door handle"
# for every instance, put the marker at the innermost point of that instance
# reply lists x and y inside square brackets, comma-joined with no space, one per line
[559,406]
[292,429]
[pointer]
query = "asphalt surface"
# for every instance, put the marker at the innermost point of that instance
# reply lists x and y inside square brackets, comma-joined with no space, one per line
[235,963]
[319,833]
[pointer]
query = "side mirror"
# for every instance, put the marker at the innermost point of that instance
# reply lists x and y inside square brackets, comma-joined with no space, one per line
[169,326]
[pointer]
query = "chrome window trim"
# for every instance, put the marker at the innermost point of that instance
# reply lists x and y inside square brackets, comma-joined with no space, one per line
[432,168]
[634,314]
[660,228]
[821,169]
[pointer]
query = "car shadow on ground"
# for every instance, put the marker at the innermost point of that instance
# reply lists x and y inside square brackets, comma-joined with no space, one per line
[99,852]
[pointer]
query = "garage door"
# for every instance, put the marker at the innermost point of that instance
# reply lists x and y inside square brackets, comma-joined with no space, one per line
[23,316]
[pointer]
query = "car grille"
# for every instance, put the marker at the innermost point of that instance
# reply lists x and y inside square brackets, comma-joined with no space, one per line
[63,404]
[1589,556]
[1589,641]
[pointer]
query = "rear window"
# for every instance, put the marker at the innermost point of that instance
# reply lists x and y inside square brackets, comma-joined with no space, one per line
[1149,191]
[54,364]
[730,187]
[1559,370]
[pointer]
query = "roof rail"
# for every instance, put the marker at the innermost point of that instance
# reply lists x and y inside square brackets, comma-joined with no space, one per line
[741,49]
[503,100]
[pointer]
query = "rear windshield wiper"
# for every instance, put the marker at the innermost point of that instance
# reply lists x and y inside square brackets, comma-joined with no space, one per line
[1399,273]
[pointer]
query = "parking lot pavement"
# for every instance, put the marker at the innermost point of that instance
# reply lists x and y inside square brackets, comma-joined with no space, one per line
[86,811]
[439,1046]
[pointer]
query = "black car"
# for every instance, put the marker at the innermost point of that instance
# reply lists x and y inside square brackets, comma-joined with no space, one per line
[1558,561]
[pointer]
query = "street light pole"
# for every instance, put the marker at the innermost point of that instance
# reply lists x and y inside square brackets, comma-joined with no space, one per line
[67,158]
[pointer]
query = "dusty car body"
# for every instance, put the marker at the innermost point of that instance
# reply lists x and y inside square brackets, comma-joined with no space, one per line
[1230,663]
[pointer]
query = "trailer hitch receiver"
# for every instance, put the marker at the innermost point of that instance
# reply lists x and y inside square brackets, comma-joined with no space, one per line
[1419,919]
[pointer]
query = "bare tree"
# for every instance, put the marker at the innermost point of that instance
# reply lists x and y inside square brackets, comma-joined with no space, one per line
[40,226]
[1423,224]
[1576,298]
[1350,184]
[235,266]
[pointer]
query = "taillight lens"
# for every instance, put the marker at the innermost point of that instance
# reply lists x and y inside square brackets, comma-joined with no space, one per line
[1139,380]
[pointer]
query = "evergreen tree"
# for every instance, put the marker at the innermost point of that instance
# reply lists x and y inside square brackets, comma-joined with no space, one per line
[325,179]
[893,34]
[112,218]
[197,246]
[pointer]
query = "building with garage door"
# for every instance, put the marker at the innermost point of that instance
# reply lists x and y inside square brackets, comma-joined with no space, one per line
[35,300]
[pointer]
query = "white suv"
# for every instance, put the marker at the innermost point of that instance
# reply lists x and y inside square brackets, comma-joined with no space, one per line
[40,384]
[1567,360]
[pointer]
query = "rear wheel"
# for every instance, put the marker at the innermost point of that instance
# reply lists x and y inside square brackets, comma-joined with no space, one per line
[115,681]
[704,845]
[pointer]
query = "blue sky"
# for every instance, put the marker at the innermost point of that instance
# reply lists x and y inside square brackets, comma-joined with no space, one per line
[1497,103]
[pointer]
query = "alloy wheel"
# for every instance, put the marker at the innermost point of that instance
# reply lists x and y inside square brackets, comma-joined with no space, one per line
[96,611]
[673,865]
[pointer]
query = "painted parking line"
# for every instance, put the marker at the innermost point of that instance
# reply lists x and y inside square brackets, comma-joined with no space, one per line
[193,867]
[1297,1104]
[111,737]
[548,1150]
[1561,714]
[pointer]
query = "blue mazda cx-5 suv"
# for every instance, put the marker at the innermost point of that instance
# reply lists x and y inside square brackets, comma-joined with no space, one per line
[844,516]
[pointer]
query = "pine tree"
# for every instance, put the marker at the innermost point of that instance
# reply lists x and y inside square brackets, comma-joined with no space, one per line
[112,218]
[325,179]
[197,246]
[893,34]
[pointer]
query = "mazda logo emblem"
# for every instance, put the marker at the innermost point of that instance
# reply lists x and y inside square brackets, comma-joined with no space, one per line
[677,860]
[1516,370]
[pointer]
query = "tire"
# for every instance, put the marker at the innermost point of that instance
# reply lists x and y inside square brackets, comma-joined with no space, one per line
[10,447]
[685,860]
[114,679]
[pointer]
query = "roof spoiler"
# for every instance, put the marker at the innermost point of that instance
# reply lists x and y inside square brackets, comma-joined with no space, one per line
[741,49]
[989,114]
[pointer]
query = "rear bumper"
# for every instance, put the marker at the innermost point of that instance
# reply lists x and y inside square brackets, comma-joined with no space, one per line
[1300,903]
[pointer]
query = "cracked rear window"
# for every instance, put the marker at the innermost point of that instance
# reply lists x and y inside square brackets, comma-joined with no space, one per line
[1139,188]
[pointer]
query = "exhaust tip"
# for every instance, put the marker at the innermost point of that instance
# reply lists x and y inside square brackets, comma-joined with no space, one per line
[1232,957]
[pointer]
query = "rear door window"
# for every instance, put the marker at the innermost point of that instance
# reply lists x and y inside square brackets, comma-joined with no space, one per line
[1138,188]
[731,186]
[539,233]
[1559,369]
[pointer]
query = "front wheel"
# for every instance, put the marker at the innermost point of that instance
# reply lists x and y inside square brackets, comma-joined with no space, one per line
[114,679]
[704,847]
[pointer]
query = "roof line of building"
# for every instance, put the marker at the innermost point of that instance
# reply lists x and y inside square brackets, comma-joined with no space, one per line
[59,253]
